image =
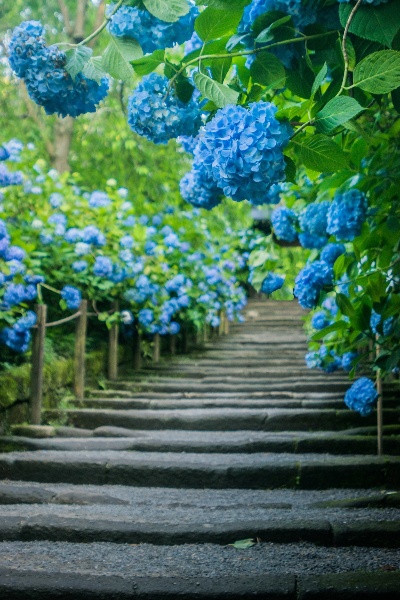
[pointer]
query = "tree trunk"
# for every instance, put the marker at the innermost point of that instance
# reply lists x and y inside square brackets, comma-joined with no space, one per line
[63,133]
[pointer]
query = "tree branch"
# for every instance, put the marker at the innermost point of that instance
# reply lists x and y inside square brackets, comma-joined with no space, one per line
[34,115]
[65,16]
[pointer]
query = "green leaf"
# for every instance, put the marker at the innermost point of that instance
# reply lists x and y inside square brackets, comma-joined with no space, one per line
[184,89]
[243,544]
[376,23]
[318,80]
[225,4]
[345,305]
[167,10]
[220,94]
[268,70]
[320,153]
[290,170]
[93,69]
[118,55]
[266,35]
[378,73]
[77,59]
[212,24]
[335,112]
[338,326]
[220,68]
[147,64]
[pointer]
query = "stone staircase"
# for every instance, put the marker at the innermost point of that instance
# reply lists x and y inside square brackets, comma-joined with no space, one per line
[232,473]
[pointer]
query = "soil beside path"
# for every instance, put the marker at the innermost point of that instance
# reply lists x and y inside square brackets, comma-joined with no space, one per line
[146,489]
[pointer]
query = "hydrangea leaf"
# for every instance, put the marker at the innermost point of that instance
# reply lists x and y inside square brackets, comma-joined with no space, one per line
[212,24]
[320,154]
[167,10]
[93,69]
[378,73]
[345,305]
[290,170]
[268,70]
[220,94]
[335,112]
[338,326]
[375,23]
[117,56]
[220,68]
[77,58]
[147,64]
[319,80]
[266,34]
[225,4]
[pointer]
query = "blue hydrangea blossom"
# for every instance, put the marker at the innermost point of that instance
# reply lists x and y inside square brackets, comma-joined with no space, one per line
[310,281]
[284,221]
[347,214]
[271,283]
[361,396]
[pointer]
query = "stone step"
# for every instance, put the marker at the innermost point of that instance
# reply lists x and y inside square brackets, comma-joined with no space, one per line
[120,438]
[217,471]
[202,378]
[222,419]
[220,577]
[259,395]
[271,385]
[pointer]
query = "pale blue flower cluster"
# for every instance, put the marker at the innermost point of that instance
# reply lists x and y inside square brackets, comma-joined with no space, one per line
[8,178]
[242,150]
[310,282]
[18,336]
[99,199]
[271,283]
[319,320]
[313,221]
[151,33]
[361,396]
[157,114]
[72,297]
[347,214]
[284,221]
[331,252]
[199,188]
[43,70]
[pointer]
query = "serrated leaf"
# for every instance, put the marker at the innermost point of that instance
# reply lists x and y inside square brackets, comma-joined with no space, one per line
[147,64]
[212,24]
[321,154]
[268,70]
[338,326]
[378,73]
[266,34]
[93,69]
[117,56]
[319,80]
[167,10]
[335,112]
[290,169]
[220,94]
[376,23]
[77,58]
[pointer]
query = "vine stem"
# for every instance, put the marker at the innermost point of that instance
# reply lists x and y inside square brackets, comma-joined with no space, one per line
[344,49]
[48,287]
[245,52]
[97,31]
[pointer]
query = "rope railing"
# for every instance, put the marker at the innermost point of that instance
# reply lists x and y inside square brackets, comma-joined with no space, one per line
[79,367]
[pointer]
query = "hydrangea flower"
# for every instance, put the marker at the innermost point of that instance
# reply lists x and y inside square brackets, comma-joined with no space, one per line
[47,81]
[347,214]
[92,235]
[387,323]
[188,143]
[79,266]
[103,266]
[271,283]
[199,188]
[347,360]
[72,297]
[14,148]
[56,199]
[151,33]
[319,320]
[361,396]
[145,317]
[314,218]
[331,252]
[157,114]
[99,199]
[18,336]
[310,240]
[242,150]
[8,178]
[310,281]
[14,253]
[284,222]
[127,317]
[4,154]
[174,328]
[302,13]
[195,43]
[82,249]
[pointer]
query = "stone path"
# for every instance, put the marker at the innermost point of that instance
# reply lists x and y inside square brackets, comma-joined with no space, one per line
[146,489]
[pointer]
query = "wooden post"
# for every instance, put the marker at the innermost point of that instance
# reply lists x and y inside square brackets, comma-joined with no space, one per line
[221,327]
[80,350]
[172,344]
[226,326]
[137,350]
[205,333]
[113,349]
[156,348]
[39,337]
[379,408]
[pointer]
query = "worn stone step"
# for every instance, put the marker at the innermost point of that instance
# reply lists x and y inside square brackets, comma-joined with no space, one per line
[264,394]
[270,385]
[119,438]
[218,471]
[222,419]
[61,582]
[44,526]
